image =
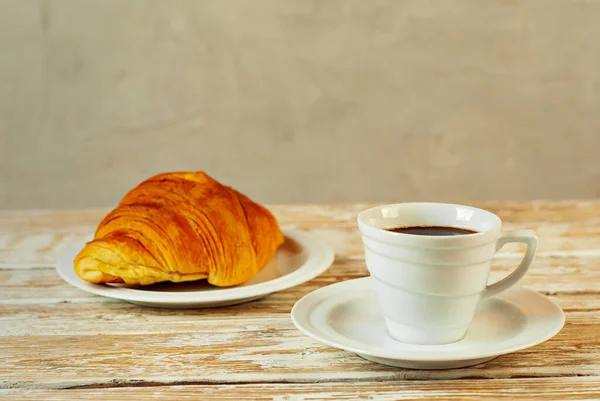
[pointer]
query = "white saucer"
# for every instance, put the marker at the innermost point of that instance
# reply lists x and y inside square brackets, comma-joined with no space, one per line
[346,316]
[301,258]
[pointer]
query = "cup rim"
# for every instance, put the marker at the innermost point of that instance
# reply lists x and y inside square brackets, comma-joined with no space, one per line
[382,234]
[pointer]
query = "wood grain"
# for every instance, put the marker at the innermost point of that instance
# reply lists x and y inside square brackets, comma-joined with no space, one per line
[249,353]
[54,336]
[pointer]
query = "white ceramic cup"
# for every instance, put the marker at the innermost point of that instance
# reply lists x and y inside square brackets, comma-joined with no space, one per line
[428,287]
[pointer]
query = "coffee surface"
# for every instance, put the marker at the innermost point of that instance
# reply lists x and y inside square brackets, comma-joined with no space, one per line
[436,231]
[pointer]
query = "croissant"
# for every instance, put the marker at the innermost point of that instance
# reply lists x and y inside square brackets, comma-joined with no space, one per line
[181,226]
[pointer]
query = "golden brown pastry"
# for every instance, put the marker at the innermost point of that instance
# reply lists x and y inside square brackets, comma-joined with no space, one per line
[181,226]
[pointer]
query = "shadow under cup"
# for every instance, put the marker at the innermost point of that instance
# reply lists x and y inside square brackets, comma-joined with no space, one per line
[428,287]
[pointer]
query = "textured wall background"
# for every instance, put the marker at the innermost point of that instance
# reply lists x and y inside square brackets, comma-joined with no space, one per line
[299,100]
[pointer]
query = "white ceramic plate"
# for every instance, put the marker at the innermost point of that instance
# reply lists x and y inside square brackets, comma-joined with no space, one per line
[301,258]
[346,316]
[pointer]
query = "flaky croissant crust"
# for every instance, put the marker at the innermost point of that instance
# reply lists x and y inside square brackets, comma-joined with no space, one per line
[181,226]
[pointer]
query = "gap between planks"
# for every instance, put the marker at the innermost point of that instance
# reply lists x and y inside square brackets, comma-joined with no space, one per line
[301,379]
[574,388]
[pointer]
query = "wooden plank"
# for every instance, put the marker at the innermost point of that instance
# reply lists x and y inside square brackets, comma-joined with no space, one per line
[312,215]
[37,238]
[563,388]
[115,317]
[43,249]
[66,345]
[548,275]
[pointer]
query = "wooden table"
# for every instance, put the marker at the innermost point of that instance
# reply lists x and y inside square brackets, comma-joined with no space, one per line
[57,342]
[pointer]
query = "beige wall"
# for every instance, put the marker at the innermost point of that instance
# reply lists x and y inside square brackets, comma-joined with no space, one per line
[299,100]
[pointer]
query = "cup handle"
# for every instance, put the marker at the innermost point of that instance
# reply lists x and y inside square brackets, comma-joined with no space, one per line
[526,236]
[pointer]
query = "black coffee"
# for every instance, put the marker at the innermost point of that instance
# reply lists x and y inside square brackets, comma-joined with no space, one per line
[437,231]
